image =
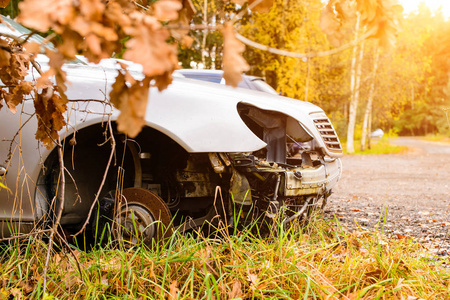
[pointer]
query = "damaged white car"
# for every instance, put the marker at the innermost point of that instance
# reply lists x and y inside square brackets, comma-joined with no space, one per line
[267,154]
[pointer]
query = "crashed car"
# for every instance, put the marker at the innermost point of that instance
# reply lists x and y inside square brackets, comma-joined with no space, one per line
[206,150]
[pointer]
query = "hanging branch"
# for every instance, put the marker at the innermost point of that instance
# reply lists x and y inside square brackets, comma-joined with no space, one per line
[302,55]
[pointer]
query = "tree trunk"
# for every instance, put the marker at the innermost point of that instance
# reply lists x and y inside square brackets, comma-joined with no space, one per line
[353,100]
[205,32]
[368,112]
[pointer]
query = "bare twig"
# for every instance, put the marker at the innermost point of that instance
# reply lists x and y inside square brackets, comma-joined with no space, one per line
[56,222]
[25,235]
[113,147]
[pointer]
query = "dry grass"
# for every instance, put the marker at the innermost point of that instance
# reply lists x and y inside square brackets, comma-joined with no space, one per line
[318,261]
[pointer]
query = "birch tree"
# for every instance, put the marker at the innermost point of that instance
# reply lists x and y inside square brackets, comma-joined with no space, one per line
[368,111]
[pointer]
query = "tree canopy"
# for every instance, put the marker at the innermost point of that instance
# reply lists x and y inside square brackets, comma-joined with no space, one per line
[156,34]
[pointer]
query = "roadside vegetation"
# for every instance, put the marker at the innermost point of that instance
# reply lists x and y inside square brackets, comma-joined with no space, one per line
[379,146]
[316,261]
[437,138]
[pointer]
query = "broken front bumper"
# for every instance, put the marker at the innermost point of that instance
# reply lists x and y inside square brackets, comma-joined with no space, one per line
[313,180]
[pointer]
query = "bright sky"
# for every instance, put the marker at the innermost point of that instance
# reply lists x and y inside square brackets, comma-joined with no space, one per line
[411,5]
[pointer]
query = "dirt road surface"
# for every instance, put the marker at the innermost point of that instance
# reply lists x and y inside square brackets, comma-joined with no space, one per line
[410,191]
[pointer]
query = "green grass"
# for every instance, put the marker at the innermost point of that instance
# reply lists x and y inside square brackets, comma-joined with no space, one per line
[317,261]
[378,146]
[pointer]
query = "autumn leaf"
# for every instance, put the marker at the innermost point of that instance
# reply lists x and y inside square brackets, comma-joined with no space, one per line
[17,95]
[382,17]
[149,48]
[331,25]
[239,2]
[32,48]
[233,62]
[131,101]
[17,69]
[181,33]
[173,290]
[4,3]
[56,62]
[45,14]
[92,9]
[5,56]
[50,109]
[253,279]
[263,7]
[167,10]
[236,291]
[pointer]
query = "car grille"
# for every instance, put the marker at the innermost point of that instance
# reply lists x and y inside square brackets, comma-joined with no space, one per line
[327,132]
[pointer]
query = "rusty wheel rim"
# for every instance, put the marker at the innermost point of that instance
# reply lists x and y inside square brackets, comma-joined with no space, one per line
[142,217]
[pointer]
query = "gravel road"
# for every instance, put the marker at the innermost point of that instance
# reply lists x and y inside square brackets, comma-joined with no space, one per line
[410,191]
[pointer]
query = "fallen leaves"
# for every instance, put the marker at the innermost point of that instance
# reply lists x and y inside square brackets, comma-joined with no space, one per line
[236,290]
[173,290]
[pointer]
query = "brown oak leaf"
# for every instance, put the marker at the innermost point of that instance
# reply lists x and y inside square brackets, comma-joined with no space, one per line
[56,62]
[239,2]
[236,291]
[167,10]
[173,290]
[32,48]
[16,70]
[115,12]
[17,95]
[92,9]
[262,7]
[233,62]
[45,14]
[131,99]
[4,3]
[2,96]
[5,57]
[50,114]
[331,25]
[149,48]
